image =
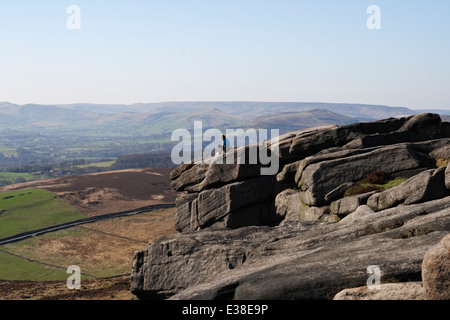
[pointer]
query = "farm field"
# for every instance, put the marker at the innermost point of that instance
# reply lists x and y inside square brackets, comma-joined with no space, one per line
[8,178]
[35,268]
[107,192]
[32,209]
[101,249]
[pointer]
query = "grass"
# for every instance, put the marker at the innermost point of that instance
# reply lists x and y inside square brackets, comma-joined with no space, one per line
[11,177]
[14,175]
[442,162]
[392,183]
[27,210]
[376,181]
[104,164]
[15,268]
[102,249]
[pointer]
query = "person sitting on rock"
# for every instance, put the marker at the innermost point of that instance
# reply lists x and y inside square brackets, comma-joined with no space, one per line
[225,144]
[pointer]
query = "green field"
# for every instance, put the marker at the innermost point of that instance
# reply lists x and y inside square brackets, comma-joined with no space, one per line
[104,164]
[27,210]
[15,268]
[7,178]
[100,249]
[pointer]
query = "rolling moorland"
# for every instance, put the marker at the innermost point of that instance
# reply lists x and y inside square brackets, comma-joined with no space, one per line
[34,136]
[35,267]
[104,249]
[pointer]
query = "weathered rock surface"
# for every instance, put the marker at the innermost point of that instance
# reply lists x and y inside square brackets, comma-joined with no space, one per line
[289,205]
[441,153]
[283,262]
[230,202]
[319,179]
[294,234]
[436,271]
[349,204]
[416,128]
[425,186]
[387,291]
[192,175]
[447,177]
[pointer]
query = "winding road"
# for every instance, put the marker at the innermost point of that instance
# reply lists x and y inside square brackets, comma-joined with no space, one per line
[38,232]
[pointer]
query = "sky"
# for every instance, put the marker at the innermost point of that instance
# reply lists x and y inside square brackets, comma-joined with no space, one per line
[137,51]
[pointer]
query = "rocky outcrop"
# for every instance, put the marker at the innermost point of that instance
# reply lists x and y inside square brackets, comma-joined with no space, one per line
[427,185]
[233,205]
[447,177]
[347,205]
[436,271]
[387,291]
[321,175]
[311,229]
[299,260]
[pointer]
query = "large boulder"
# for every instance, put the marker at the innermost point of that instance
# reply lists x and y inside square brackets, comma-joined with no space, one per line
[425,186]
[442,153]
[299,260]
[284,142]
[436,271]
[349,204]
[188,175]
[175,262]
[447,177]
[386,291]
[318,179]
[228,204]
[289,205]
[182,217]
[305,145]
[221,174]
[420,127]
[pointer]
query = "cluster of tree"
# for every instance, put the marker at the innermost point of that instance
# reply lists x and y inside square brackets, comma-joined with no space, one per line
[57,168]
[5,182]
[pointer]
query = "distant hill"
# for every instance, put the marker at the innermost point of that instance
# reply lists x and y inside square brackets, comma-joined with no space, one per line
[34,115]
[56,118]
[249,110]
[35,134]
[161,118]
[243,109]
[292,121]
[169,121]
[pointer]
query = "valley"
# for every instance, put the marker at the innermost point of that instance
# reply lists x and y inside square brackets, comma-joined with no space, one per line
[80,164]
[35,268]
[39,138]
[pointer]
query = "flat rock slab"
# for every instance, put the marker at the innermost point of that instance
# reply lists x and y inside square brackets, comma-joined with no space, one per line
[425,186]
[387,291]
[301,260]
[436,271]
[318,179]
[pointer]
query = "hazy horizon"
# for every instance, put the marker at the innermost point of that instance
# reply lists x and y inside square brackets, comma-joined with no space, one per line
[198,50]
[216,101]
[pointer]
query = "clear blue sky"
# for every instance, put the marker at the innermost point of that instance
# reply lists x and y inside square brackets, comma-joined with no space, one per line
[254,50]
